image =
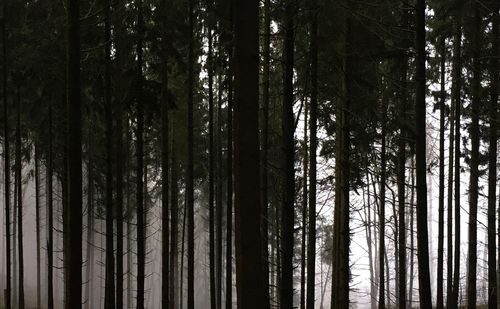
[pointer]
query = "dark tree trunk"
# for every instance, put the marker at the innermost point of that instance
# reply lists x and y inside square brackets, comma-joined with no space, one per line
[456,97]
[229,206]
[305,164]
[422,234]
[311,235]
[165,282]
[492,166]
[401,168]
[288,195]
[109,290]
[246,155]
[74,297]
[474,159]
[174,187]
[341,238]
[190,162]
[7,291]
[141,239]
[90,223]
[37,220]
[266,63]
[383,167]
[442,128]
[50,220]
[218,196]
[19,192]
[211,223]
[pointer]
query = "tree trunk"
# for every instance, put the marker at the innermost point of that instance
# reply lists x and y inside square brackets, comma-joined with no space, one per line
[7,291]
[341,238]
[165,280]
[266,63]
[211,223]
[305,165]
[50,220]
[19,192]
[190,162]
[492,164]
[37,220]
[229,205]
[456,97]
[141,239]
[288,195]
[474,161]
[313,145]
[74,297]
[174,252]
[246,155]
[218,195]
[109,290]
[90,224]
[424,281]
[383,166]
[442,101]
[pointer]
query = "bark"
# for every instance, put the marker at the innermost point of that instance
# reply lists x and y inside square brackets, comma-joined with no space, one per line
[246,158]
[266,63]
[305,165]
[424,281]
[341,238]
[313,145]
[440,249]
[174,188]
[288,194]
[456,97]
[37,220]
[190,162]
[74,297]
[492,164]
[218,198]
[50,220]
[474,162]
[109,290]
[383,167]
[90,224]
[211,223]
[7,292]
[229,205]
[19,191]
[141,239]
[165,280]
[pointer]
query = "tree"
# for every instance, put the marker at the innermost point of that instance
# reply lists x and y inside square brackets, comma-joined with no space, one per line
[74,297]
[19,192]
[422,234]
[287,123]
[249,277]
[492,164]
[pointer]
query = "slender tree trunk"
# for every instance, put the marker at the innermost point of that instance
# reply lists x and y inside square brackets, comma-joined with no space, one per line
[174,187]
[37,220]
[7,291]
[401,168]
[211,223]
[74,299]
[50,220]
[90,224]
[383,167]
[287,122]
[266,64]
[341,238]
[218,195]
[141,239]
[449,263]
[109,294]
[424,281]
[165,280]
[229,205]
[304,214]
[442,101]
[474,161]
[19,192]
[492,164]
[246,155]
[456,97]
[313,145]
[190,163]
